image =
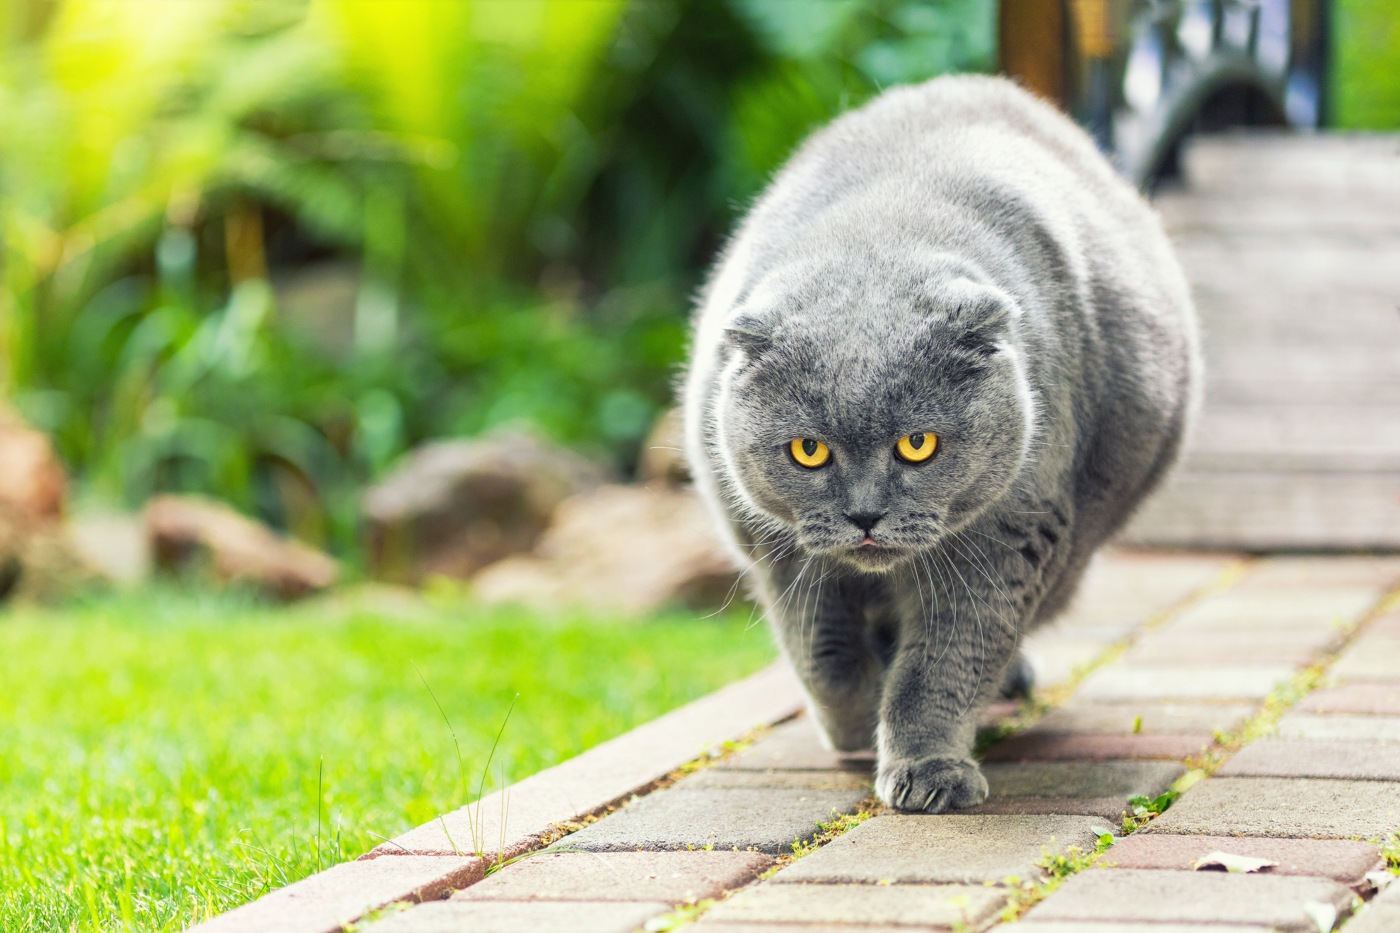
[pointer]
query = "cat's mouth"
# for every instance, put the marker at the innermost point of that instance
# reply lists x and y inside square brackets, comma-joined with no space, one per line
[872,556]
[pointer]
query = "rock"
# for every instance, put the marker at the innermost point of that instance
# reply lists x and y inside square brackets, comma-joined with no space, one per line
[453,507]
[621,550]
[662,460]
[33,484]
[383,602]
[36,561]
[113,545]
[318,302]
[187,531]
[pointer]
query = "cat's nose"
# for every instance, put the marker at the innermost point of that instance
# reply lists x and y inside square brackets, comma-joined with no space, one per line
[865,521]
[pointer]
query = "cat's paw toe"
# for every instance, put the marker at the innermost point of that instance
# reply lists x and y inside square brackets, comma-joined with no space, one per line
[931,785]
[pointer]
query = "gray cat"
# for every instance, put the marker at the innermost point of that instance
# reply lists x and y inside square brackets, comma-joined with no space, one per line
[943,358]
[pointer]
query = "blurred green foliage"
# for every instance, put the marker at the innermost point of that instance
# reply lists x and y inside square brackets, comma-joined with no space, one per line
[258,249]
[1365,53]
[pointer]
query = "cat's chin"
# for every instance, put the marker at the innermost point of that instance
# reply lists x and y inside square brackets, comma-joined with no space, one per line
[874,559]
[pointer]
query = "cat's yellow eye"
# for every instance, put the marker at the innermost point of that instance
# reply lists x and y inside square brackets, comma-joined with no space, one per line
[916,448]
[809,452]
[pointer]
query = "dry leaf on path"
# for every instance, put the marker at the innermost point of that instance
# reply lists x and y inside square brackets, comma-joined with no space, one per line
[1231,863]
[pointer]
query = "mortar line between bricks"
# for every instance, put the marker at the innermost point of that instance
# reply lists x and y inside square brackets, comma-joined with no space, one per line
[1271,709]
[1036,707]
[1306,679]
[1033,709]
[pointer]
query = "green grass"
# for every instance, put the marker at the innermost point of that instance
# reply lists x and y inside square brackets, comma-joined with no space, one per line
[160,754]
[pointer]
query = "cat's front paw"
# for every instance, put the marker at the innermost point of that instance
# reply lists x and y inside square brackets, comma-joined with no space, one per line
[931,785]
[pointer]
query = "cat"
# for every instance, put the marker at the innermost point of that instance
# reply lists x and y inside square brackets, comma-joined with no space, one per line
[941,360]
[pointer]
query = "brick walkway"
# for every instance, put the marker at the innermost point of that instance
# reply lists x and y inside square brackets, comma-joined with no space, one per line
[1265,691]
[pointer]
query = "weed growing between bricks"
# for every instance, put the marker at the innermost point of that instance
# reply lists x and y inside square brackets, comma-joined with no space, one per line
[685,914]
[1289,693]
[1263,723]
[842,823]
[1058,867]
[1042,701]
[379,913]
[1391,853]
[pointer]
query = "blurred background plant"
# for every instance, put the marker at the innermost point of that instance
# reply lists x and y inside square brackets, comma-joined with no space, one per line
[257,250]
[260,249]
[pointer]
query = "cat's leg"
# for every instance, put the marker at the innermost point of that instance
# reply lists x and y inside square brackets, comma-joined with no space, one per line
[956,644]
[820,628]
[1018,680]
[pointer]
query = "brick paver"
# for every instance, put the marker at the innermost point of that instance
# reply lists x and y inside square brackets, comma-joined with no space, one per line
[1271,901]
[1108,810]
[670,877]
[1174,645]
[1288,808]
[1058,654]
[1361,699]
[1038,746]
[1191,719]
[1294,573]
[1272,609]
[939,907]
[1374,658]
[1126,926]
[949,848]
[1121,779]
[795,746]
[1339,727]
[1365,761]
[767,819]
[1119,684]
[1342,861]
[807,926]
[521,917]
[794,780]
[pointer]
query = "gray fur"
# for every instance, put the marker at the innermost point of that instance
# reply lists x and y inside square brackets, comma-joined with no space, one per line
[953,257]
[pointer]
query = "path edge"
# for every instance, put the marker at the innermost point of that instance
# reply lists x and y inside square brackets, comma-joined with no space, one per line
[439,856]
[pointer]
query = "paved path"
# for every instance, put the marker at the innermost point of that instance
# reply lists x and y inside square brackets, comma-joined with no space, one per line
[1266,691]
[1290,244]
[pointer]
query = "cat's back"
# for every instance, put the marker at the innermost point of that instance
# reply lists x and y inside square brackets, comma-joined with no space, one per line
[923,143]
[889,170]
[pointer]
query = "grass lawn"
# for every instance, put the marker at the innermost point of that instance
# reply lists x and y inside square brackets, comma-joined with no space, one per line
[160,753]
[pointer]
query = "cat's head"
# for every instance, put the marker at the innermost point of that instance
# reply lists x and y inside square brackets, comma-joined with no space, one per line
[871,414]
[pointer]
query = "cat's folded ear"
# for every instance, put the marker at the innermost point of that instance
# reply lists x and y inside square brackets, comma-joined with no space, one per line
[749,333]
[979,315]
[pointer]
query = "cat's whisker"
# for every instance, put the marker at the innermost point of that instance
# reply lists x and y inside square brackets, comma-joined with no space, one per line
[1023,557]
[984,566]
[996,614]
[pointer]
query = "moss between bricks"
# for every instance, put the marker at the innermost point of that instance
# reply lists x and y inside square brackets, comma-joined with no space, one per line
[685,914]
[1058,868]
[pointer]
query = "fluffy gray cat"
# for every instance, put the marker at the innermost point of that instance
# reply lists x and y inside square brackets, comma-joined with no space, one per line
[943,358]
